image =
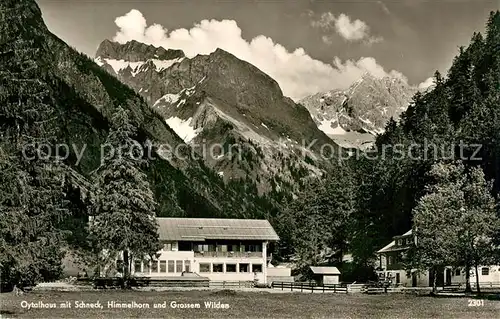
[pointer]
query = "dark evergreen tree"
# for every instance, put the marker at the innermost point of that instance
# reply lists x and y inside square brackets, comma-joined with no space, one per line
[124,213]
[316,225]
[33,201]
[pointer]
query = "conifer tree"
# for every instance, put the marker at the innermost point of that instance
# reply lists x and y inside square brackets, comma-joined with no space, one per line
[317,223]
[124,213]
[33,201]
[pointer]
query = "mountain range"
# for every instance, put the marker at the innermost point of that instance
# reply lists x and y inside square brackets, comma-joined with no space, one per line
[355,116]
[167,79]
[85,96]
[219,101]
[260,142]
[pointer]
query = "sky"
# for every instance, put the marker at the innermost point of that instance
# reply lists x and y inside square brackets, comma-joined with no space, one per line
[307,46]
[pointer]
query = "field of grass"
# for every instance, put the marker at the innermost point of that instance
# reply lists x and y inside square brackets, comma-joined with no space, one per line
[245,305]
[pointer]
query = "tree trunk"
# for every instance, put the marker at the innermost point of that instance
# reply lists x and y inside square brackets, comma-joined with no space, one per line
[97,269]
[126,268]
[434,280]
[477,280]
[468,288]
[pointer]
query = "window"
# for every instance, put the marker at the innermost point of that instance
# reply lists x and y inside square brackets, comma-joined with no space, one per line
[457,272]
[230,267]
[171,266]
[203,247]
[257,268]
[233,248]
[222,248]
[119,265]
[397,259]
[163,266]
[244,268]
[137,266]
[146,267]
[178,266]
[389,260]
[254,248]
[187,265]
[170,246]
[485,271]
[204,267]
[154,266]
[218,268]
[185,246]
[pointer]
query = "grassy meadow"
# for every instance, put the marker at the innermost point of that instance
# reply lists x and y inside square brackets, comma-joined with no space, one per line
[244,305]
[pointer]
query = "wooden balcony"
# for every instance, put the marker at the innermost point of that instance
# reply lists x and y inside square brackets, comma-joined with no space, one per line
[228,254]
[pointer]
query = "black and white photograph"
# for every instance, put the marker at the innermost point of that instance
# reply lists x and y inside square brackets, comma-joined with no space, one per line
[249,159]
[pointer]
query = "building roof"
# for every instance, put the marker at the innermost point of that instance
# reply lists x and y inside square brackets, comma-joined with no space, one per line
[325,270]
[407,233]
[200,229]
[388,247]
[392,245]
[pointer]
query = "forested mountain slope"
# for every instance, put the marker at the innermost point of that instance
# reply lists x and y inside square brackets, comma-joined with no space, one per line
[84,96]
[458,120]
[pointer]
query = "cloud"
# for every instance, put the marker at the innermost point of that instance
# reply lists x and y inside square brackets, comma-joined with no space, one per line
[327,39]
[350,30]
[297,73]
[426,84]
[326,21]
[384,7]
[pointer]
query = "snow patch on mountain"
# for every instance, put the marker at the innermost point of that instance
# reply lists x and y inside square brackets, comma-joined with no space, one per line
[165,64]
[99,61]
[167,99]
[364,109]
[119,65]
[327,127]
[183,128]
[136,67]
[178,99]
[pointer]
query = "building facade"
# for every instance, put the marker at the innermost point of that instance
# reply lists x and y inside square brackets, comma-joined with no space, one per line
[391,268]
[219,249]
[326,275]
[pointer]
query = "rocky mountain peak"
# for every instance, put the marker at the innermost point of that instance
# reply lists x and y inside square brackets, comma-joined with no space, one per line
[353,117]
[219,99]
[19,17]
[134,51]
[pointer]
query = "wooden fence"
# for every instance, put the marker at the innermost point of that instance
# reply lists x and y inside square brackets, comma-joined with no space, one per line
[369,289]
[231,284]
[461,287]
[484,284]
[378,290]
[307,286]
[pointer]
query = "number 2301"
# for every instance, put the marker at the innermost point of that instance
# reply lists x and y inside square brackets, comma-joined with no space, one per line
[476,302]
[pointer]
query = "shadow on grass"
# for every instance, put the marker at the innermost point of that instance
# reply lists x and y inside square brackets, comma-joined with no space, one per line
[485,296]
[225,292]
